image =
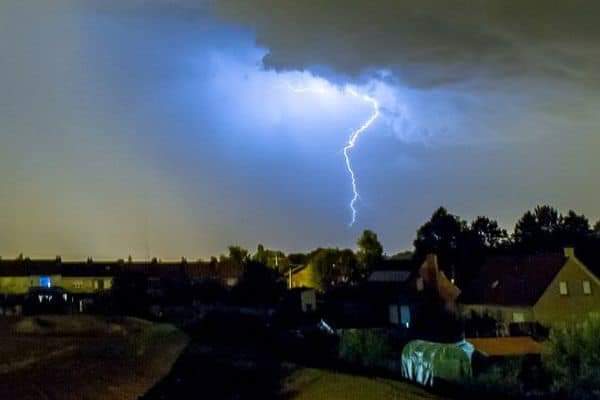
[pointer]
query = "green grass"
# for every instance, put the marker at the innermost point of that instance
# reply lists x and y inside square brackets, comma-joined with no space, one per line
[315,384]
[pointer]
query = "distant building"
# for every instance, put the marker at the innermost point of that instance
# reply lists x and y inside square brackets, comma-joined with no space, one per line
[416,299]
[302,276]
[550,289]
[408,289]
[18,277]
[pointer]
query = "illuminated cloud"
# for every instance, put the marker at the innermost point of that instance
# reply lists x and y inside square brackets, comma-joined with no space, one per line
[168,127]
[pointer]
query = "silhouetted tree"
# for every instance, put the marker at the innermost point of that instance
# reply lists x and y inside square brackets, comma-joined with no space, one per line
[538,230]
[574,229]
[442,235]
[260,255]
[597,229]
[260,285]
[330,267]
[275,259]
[238,255]
[323,264]
[349,267]
[370,251]
[488,232]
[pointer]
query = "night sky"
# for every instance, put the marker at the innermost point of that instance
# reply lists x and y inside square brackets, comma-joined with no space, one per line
[171,128]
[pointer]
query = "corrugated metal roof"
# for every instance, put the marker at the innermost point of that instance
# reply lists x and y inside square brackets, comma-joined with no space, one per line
[507,346]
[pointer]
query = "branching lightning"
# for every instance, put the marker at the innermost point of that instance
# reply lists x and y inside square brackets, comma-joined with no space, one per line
[352,142]
[352,139]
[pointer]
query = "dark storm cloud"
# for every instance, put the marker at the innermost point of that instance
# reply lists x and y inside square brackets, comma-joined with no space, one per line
[168,127]
[428,42]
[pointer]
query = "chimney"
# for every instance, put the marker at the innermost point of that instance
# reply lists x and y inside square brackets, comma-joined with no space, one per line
[569,252]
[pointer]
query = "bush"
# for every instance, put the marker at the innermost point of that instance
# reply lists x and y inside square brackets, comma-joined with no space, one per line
[501,378]
[574,360]
[366,347]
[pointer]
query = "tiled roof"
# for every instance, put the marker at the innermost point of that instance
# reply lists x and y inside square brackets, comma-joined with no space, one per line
[514,281]
[27,267]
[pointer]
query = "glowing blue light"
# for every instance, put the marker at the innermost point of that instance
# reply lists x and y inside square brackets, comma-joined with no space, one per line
[45,281]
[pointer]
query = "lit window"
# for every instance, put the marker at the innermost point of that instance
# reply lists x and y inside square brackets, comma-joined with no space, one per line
[564,289]
[78,284]
[587,287]
[405,316]
[45,281]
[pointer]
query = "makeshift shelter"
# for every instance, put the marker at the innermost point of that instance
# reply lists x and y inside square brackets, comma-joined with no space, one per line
[427,362]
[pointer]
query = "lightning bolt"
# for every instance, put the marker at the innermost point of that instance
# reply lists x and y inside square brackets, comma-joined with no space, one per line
[352,139]
[352,142]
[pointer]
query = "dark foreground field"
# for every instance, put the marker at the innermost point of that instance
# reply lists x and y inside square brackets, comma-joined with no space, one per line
[227,361]
[82,357]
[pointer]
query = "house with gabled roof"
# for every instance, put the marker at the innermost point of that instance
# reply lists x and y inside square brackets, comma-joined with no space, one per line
[550,289]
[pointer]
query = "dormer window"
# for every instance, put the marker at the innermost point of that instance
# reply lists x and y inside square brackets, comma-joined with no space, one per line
[587,288]
[564,288]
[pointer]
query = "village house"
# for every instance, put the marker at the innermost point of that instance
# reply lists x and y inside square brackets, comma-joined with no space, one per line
[52,284]
[549,289]
[416,300]
[18,276]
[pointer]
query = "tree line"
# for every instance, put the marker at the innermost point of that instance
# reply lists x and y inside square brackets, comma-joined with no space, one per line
[461,246]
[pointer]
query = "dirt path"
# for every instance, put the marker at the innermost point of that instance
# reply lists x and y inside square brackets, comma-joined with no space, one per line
[107,368]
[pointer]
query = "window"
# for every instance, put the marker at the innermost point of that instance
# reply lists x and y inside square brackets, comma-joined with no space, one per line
[78,284]
[564,289]
[45,281]
[518,317]
[405,315]
[587,288]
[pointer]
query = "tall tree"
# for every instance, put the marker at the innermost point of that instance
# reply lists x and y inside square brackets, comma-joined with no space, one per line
[260,255]
[238,255]
[538,230]
[323,265]
[370,251]
[488,232]
[574,229]
[597,229]
[441,235]
[259,285]
[330,267]
[348,266]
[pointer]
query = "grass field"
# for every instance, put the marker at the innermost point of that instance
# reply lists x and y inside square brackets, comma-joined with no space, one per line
[315,384]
